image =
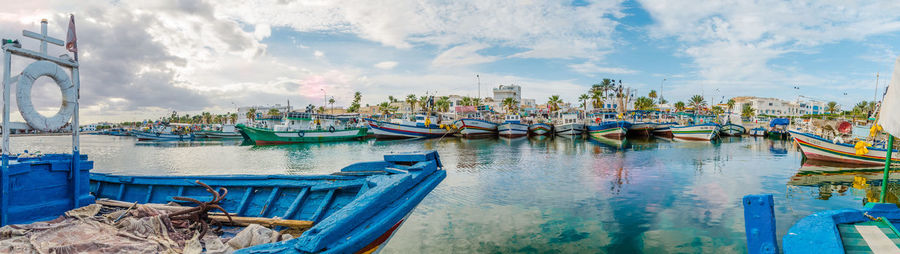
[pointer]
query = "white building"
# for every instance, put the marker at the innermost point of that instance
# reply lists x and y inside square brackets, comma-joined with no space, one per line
[510,91]
[779,107]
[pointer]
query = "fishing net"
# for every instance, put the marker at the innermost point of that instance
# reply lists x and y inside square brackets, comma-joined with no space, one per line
[98,228]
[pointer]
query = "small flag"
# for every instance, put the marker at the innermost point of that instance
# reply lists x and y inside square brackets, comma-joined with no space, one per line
[890,106]
[71,39]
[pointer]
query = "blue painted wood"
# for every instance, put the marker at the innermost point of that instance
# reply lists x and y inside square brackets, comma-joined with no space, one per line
[351,211]
[759,224]
[323,205]
[269,203]
[245,200]
[295,205]
[42,188]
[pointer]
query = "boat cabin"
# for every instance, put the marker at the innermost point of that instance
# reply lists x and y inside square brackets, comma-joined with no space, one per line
[512,119]
[295,121]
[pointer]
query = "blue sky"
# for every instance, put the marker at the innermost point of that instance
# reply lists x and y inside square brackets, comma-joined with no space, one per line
[144,60]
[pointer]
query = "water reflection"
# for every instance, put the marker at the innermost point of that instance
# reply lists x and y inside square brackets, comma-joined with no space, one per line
[830,179]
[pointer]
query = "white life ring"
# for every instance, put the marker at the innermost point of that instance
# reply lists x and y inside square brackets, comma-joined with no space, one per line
[23,96]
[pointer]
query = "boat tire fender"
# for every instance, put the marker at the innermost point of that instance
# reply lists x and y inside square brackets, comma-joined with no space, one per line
[23,96]
[331,129]
[300,134]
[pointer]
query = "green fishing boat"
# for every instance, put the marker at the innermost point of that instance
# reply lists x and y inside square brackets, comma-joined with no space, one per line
[262,136]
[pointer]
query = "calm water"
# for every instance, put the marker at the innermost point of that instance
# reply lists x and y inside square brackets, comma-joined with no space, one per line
[536,195]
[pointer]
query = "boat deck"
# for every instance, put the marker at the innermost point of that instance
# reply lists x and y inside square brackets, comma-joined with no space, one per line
[869,237]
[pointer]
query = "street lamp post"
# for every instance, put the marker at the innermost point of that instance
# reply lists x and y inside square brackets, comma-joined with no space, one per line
[661,89]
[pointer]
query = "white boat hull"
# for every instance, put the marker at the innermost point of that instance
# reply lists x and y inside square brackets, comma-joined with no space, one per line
[695,132]
[512,130]
[817,148]
[387,130]
[571,129]
[469,128]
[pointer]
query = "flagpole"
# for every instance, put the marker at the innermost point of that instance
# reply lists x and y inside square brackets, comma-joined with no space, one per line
[887,167]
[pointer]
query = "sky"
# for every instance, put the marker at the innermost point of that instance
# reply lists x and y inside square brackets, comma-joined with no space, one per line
[145,59]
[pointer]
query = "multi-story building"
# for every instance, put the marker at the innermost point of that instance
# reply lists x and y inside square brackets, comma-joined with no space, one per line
[508,91]
[779,107]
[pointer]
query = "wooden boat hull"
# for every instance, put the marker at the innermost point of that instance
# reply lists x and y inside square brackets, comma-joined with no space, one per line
[817,148]
[539,129]
[663,129]
[609,130]
[163,136]
[270,137]
[223,135]
[475,128]
[640,129]
[757,132]
[355,210]
[571,129]
[702,132]
[732,130]
[387,130]
[512,130]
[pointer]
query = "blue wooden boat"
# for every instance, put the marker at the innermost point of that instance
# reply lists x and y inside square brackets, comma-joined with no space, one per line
[354,210]
[160,136]
[872,229]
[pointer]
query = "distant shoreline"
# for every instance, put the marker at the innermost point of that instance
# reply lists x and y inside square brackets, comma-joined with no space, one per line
[48,134]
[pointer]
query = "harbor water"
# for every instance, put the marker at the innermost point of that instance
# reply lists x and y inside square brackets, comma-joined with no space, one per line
[534,195]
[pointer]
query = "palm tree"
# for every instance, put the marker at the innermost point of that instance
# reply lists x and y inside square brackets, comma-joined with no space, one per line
[466,101]
[331,101]
[652,94]
[697,102]
[553,103]
[831,107]
[354,106]
[442,104]
[207,117]
[716,110]
[423,102]
[510,104]
[583,99]
[274,112]
[476,101]
[730,104]
[679,106]
[411,100]
[644,103]
[391,99]
[747,111]
[321,110]
[385,108]
[233,118]
[606,84]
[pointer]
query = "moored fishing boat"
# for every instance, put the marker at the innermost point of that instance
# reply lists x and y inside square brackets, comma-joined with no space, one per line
[778,128]
[701,132]
[818,148]
[730,129]
[226,132]
[262,136]
[162,136]
[568,125]
[540,129]
[474,127]
[637,128]
[423,127]
[757,132]
[512,127]
[663,129]
[609,130]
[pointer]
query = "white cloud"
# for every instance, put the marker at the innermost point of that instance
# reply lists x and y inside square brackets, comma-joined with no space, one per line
[461,55]
[319,54]
[733,43]
[386,65]
[591,69]
[544,29]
